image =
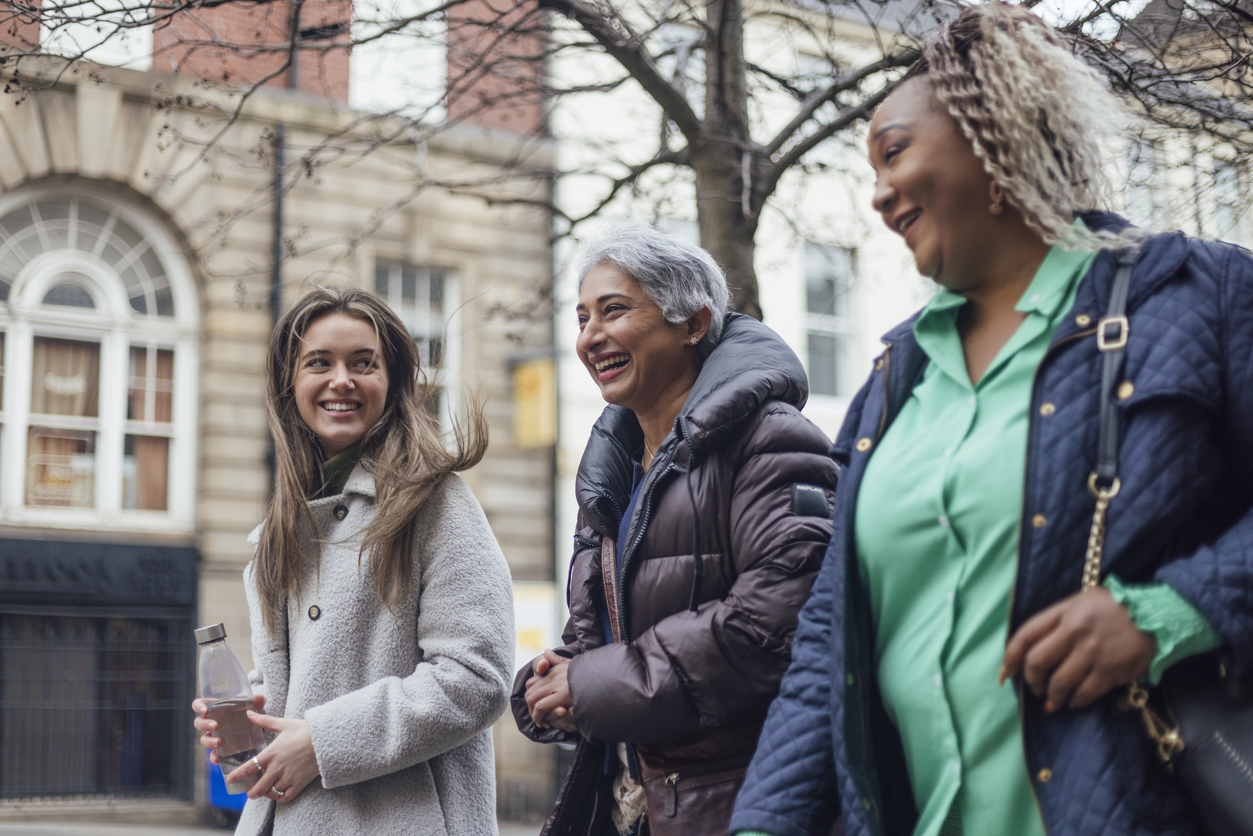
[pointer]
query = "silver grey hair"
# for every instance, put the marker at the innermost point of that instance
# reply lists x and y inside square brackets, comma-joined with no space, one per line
[679,277]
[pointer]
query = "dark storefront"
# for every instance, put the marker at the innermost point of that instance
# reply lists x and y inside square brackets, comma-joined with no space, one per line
[97,670]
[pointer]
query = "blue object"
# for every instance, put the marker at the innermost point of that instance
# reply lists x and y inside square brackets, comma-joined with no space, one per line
[218,796]
[1184,517]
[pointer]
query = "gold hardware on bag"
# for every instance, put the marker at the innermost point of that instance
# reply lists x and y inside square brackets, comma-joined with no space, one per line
[1167,737]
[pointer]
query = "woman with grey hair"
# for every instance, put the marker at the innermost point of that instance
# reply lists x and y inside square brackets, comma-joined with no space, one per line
[704,508]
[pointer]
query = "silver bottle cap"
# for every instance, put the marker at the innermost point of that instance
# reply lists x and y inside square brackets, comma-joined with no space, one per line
[212,633]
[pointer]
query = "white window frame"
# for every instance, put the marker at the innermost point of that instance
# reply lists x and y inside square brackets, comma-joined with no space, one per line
[447,374]
[117,327]
[844,327]
[1228,194]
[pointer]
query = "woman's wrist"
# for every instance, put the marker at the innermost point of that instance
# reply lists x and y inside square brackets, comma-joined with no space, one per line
[1157,609]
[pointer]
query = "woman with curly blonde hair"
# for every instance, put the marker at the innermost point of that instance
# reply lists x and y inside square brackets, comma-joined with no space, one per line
[964,518]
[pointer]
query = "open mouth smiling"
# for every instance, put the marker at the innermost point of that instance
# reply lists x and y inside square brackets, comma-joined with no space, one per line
[904,222]
[609,366]
[340,406]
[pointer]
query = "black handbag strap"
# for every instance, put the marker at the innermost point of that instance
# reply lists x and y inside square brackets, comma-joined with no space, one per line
[1111,339]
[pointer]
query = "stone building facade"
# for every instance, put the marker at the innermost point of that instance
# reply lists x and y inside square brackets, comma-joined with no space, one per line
[137,265]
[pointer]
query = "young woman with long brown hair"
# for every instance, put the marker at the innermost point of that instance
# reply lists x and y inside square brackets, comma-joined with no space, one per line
[380,601]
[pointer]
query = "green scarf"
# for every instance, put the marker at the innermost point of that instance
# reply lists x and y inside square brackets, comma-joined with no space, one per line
[337,468]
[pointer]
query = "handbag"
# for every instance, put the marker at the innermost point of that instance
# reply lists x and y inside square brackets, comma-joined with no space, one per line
[1206,735]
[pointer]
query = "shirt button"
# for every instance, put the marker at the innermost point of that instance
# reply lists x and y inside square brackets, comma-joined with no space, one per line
[1035,297]
[948,454]
[863,445]
[315,612]
[1047,409]
[943,521]
[971,400]
[951,597]
[939,681]
[341,511]
[1039,521]
[1045,775]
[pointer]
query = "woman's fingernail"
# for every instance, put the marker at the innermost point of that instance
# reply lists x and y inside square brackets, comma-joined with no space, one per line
[1049,708]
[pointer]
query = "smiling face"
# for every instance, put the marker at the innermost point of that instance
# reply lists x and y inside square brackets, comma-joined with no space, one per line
[635,356]
[929,185]
[341,380]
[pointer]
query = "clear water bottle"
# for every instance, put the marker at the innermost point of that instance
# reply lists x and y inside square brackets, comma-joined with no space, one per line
[224,686]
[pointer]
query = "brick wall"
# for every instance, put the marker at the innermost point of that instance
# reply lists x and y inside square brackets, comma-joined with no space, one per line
[496,66]
[247,44]
[19,24]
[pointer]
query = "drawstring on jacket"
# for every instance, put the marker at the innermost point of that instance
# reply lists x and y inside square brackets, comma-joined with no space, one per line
[698,563]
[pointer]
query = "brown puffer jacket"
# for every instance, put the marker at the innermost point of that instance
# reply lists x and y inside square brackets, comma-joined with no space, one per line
[704,651]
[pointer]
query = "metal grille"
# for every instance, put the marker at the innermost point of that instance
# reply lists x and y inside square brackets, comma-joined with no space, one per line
[95,705]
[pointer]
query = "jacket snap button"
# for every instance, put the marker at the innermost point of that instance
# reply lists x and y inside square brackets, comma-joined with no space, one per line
[852,680]
[863,445]
[341,511]
[1039,521]
[1045,775]
[878,364]
[1047,409]
[315,612]
[865,802]
[1125,390]
[1083,320]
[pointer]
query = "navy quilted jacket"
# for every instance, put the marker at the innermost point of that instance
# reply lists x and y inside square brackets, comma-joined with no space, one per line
[1183,516]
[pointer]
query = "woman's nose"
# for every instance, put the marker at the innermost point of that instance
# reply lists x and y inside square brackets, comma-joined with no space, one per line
[884,195]
[340,378]
[589,337]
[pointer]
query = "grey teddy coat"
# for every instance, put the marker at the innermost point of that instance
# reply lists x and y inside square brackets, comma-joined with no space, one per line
[399,704]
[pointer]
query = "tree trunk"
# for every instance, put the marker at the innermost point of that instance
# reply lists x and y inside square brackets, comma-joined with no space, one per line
[726,229]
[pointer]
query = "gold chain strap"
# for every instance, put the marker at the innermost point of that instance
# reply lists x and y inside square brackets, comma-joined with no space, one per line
[1167,737]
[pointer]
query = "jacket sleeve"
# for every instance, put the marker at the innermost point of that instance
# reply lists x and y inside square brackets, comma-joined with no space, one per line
[1218,578]
[581,631]
[721,665]
[465,629]
[790,787]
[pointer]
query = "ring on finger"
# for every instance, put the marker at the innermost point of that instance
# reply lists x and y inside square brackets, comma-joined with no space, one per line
[257,764]
[277,792]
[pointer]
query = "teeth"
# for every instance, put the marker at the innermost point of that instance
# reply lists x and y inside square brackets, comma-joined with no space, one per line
[616,360]
[340,407]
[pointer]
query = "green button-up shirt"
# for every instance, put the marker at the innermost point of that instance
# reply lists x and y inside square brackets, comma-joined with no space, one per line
[937,528]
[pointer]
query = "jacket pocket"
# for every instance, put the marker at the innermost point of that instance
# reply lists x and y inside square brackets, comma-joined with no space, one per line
[695,800]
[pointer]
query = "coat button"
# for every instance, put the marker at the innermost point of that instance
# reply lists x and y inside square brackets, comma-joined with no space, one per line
[1125,390]
[1039,521]
[1083,320]
[1045,775]
[863,445]
[315,612]
[1047,409]
[341,511]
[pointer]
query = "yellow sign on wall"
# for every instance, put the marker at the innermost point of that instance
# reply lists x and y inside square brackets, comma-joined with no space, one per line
[535,403]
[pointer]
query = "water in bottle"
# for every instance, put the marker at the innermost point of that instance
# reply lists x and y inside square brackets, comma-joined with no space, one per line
[225,687]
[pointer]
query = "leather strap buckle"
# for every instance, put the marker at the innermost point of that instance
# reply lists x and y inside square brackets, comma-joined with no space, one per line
[1104,341]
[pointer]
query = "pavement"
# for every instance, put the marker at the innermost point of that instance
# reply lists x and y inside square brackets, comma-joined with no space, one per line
[506,829]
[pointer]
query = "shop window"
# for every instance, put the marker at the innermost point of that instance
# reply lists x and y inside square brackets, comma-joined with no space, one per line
[828,317]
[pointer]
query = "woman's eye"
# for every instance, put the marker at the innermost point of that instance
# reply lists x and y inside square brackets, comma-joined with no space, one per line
[317,363]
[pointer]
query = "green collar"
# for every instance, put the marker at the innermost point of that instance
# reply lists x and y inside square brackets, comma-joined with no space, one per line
[336,470]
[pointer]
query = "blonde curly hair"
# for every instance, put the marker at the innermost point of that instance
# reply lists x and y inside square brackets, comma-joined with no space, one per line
[1028,106]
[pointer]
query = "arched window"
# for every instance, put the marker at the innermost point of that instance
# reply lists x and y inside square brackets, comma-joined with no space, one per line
[98,324]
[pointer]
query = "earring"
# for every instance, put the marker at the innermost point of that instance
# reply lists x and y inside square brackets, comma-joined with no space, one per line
[997,208]
[693,341]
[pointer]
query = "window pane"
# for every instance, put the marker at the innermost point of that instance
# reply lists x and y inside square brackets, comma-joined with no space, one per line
[381,281]
[150,394]
[1,370]
[60,467]
[146,473]
[66,378]
[69,295]
[437,289]
[824,363]
[828,277]
[409,285]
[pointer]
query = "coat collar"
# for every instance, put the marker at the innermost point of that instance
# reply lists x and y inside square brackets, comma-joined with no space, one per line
[360,482]
[751,365]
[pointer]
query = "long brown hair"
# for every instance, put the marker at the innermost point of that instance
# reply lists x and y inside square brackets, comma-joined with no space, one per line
[405,452]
